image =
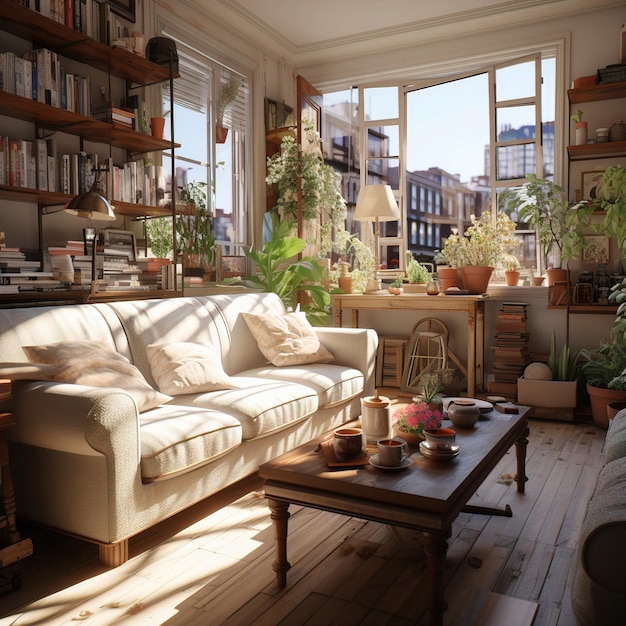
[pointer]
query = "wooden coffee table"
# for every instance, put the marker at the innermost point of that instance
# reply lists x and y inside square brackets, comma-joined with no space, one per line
[427,496]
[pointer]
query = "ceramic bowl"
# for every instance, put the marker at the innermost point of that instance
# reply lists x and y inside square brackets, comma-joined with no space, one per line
[440,438]
[463,413]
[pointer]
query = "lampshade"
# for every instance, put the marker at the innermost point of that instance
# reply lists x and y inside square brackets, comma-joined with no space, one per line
[376,201]
[91,205]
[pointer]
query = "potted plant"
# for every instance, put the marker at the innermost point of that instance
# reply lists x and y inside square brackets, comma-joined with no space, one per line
[478,250]
[409,421]
[558,390]
[511,269]
[229,90]
[604,366]
[416,274]
[559,225]
[581,128]
[194,230]
[612,200]
[396,288]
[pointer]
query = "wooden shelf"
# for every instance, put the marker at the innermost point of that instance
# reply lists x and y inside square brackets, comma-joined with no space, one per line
[44,32]
[80,297]
[54,118]
[49,198]
[596,150]
[594,93]
[607,309]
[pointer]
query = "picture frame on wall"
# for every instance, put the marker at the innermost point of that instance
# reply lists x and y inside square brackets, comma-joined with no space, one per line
[124,8]
[590,184]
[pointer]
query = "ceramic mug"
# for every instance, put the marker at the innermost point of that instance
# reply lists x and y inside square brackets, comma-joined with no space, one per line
[391,452]
[347,443]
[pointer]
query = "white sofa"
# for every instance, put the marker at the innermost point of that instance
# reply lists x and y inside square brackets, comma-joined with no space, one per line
[85,461]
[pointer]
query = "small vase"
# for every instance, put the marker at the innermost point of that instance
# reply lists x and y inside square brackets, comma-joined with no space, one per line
[157,126]
[581,133]
[476,278]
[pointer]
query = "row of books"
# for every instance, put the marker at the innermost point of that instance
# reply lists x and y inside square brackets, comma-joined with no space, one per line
[510,353]
[39,75]
[91,17]
[36,165]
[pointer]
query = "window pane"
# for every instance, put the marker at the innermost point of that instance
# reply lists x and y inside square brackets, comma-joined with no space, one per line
[383,171]
[383,141]
[380,103]
[515,123]
[515,161]
[515,81]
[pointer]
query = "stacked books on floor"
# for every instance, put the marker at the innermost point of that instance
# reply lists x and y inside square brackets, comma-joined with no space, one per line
[511,350]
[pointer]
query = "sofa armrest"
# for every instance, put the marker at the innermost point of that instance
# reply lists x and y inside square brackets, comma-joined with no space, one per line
[75,418]
[353,347]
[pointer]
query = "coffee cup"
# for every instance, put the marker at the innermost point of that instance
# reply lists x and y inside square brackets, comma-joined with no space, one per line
[347,443]
[440,438]
[391,452]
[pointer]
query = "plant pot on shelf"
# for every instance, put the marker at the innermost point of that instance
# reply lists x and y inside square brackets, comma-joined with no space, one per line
[448,277]
[511,277]
[555,275]
[476,278]
[600,398]
[581,133]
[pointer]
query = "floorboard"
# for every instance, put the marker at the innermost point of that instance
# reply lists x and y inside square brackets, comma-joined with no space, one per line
[212,563]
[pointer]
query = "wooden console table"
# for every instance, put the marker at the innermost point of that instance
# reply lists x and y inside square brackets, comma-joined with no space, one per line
[472,306]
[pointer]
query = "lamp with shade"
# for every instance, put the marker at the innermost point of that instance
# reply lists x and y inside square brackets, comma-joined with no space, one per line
[89,205]
[376,203]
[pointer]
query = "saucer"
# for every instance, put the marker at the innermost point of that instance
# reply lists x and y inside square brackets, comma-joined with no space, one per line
[435,453]
[374,461]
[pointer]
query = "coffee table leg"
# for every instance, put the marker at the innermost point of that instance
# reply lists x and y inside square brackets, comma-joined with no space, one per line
[279,515]
[436,547]
[520,451]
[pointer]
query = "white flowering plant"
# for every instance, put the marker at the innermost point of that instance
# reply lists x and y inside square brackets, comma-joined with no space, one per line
[486,239]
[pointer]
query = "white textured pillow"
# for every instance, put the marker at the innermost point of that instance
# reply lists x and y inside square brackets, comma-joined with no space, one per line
[90,363]
[287,339]
[187,367]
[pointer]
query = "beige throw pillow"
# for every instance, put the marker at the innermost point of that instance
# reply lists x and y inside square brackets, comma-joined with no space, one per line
[287,339]
[90,363]
[187,367]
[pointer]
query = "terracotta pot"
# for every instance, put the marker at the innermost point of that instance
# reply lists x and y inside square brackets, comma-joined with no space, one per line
[448,277]
[411,439]
[511,277]
[157,126]
[613,408]
[556,275]
[221,134]
[600,398]
[476,278]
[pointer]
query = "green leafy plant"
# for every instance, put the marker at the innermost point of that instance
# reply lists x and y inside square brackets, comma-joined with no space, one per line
[564,365]
[415,271]
[577,117]
[544,206]
[320,182]
[194,232]
[612,200]
[605,364]
[278,270]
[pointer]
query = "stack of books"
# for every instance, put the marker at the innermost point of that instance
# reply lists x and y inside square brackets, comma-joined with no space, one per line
[156,273]
[122,118]
[511,355]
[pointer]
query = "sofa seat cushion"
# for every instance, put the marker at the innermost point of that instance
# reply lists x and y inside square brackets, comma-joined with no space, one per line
[333,384]
[177,439]
[261,406]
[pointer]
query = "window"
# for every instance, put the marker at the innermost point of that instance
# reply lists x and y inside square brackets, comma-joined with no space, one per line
[202,157]
[450,145]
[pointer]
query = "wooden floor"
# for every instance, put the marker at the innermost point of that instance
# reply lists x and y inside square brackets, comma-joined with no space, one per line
[213,564]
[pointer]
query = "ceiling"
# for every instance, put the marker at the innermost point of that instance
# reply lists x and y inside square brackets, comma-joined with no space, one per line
[305,31]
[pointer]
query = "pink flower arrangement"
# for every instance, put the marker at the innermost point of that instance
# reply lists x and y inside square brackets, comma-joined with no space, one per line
[413,418]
